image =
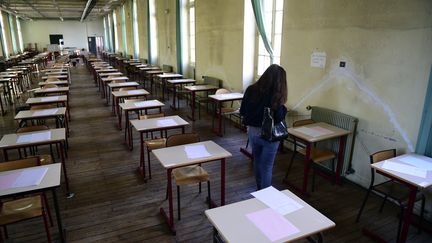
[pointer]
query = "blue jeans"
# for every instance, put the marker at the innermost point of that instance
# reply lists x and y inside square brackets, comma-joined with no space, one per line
[264,154]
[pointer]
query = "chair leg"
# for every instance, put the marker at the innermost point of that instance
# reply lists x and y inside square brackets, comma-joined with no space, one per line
[291,162]
[421,214]
[363,204]
[313,179]
[209,194]
[178,202]
[5,232]
[199,186]
[382,204]
[148,161]
[45,203]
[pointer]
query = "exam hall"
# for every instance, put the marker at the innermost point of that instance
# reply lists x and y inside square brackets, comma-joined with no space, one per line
[120,121]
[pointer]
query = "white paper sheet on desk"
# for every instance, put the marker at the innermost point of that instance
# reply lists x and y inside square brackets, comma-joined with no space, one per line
[30,177]
[45,112]
[196,151]
[34,137]
[404,169]
[147,103]
[276,200]
[50,98]
[419,163]
[166,122]
[313,131]
[135,92]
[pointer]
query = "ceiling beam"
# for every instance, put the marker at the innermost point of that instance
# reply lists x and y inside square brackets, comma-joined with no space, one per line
[35,9]
[58,8]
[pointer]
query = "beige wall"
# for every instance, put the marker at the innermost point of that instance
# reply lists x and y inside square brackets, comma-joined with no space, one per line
[387,47]
[166,29]
[219,38]
[142,28]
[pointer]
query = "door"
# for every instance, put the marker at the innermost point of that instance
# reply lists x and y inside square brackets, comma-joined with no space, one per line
[92,44]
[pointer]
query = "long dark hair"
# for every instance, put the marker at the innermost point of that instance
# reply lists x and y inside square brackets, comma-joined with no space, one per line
[272,82]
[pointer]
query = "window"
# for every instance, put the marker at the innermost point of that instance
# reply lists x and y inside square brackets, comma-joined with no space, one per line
[191,31]
[116,44]
[20,40]
[3,35]
[105,32]
[153,50]
[12,32]
[135,28]
[273,13]
[110,34]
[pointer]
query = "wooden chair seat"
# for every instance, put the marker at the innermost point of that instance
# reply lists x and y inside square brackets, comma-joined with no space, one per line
[190,175]
[318,155]
[155,143]
[20,209]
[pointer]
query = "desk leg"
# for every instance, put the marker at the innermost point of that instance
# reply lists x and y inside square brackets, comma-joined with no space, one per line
[170,219]
[62,157]
[126,125]
[119,115]
[130,137]
[193,106]
[58,215]
[6,157]
[142,157]
[408,213]
[341,156]
[306,168]
[113,106]
[174,97]
[222,182]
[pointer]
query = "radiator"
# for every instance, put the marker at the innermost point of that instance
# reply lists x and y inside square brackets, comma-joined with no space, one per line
[341,120]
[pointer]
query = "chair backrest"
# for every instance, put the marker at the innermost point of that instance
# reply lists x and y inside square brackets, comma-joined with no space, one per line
[382,155]
[212,81]
[302,122]
[47,86]
[32,129]
[127,88]
[52,79]
[222,91]
[149,116]
[20,164]
[180,139]
[167,68]
[143,60]
[44,106]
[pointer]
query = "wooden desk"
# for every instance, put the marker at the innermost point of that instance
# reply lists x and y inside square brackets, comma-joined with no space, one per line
[50,182]
[117,95]
[198,88]
[137,106]
[175,83]
[57,113]
[163,77]
[233,225]
[60,73]
[107,80]
[309,140]
[56,76]
[219,99]
[62,99]
[175,157]
[412,180]
[153,125]
[51,136]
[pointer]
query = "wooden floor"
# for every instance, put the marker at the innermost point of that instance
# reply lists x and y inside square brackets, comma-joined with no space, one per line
[113,204]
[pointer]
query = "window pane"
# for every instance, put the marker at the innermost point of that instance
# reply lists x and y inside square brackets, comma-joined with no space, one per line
[277,45]
[261,65]
[279,5]
[276,60]
[268,6]
[261,48]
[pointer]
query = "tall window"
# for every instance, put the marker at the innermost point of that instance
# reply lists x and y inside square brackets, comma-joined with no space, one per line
[110,34]
[3,37]
[116,44]
[12,31]
[105,32]
[273,13]
[191,21]
[20,39]
[123,28]
[153,50]
[135,28]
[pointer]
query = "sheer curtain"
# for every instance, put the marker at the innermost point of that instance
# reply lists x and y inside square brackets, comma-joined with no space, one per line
[424,141]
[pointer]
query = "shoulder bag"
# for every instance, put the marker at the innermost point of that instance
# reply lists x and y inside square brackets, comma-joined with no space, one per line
[270,130]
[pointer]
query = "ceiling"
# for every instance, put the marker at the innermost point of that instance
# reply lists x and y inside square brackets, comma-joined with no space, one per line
[59,9]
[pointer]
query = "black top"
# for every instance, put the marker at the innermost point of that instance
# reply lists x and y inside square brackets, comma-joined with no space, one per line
[252,110]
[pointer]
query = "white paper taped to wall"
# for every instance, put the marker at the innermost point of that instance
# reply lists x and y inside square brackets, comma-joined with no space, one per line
[318,59]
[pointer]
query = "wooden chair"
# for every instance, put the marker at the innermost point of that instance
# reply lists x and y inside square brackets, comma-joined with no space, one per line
[154,143]
[44,158]
[187,175]
[48,86]
[227,110]
[317,156]
[200,100]
[390,189]
[52,79]
[21,209]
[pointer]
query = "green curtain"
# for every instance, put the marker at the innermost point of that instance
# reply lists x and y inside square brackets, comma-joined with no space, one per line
[424,140]
[178,37]
[259,19]
[13,37]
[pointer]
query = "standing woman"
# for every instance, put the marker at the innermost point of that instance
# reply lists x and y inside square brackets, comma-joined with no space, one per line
[269,91]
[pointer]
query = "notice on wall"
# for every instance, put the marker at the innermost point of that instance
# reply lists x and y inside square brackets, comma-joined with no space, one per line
[318,59]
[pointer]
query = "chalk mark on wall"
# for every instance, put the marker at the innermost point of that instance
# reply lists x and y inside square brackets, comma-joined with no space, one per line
[350,75]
